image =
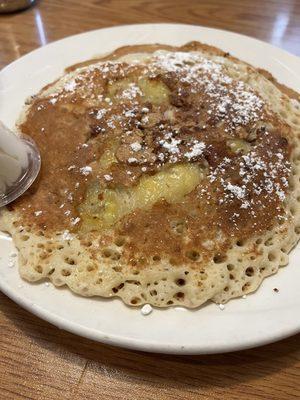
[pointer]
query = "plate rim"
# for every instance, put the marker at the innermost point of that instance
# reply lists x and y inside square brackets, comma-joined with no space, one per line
[171,24]
[132,343]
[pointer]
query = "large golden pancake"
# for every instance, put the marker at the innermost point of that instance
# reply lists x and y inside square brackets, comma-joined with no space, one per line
[170,176]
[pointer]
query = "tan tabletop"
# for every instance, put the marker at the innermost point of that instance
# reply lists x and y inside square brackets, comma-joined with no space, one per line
[37,360]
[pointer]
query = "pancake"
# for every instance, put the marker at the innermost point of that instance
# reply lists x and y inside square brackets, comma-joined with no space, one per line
[169,177]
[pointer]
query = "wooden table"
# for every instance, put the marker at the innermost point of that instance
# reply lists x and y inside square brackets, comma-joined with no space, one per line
[37,360]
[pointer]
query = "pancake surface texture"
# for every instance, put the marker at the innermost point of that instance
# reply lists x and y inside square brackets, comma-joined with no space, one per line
[170,176]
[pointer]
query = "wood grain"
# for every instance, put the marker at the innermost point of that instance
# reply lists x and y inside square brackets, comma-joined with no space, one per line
[276,21]
[37,360]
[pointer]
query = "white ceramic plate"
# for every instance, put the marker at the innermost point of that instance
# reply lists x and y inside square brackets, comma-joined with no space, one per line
[261,318]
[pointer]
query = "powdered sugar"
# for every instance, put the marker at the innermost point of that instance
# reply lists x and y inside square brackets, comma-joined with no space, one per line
[234,102]
[70,86]
[75,221]
[66,235]
[237,191]
[257,176]
[179,130]
[85,170]
[108,177]
[196,150]
[53,100]
[132,160]
[146,309]
[170,143]
[131,92]
[100,113]
[136,146]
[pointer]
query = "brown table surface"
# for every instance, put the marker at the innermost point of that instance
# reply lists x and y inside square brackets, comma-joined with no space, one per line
[37,360]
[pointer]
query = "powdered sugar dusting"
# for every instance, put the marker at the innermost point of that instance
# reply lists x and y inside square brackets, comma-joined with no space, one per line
[202,107]
[86,170]
[131,92]
[70,86]
[136,146]
[231,101]
[66,235]
[256,176]
[196,150]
